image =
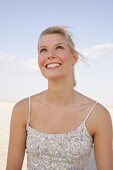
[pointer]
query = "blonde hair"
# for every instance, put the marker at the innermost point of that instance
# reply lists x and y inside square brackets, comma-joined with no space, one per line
[62,30]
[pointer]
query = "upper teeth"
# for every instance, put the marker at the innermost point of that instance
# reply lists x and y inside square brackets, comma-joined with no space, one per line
[53,65]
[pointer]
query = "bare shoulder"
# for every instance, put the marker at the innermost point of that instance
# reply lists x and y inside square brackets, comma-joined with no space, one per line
[102,113]
[101,117]
[20,110]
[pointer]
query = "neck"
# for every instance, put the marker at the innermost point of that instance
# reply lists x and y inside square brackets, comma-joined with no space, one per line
[60,93]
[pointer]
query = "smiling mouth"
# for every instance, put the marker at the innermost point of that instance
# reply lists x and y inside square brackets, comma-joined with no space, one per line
[53,65]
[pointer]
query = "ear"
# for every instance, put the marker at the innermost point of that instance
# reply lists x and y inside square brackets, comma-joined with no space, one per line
[75,58]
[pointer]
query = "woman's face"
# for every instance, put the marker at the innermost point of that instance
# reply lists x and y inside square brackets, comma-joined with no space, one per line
[55,58]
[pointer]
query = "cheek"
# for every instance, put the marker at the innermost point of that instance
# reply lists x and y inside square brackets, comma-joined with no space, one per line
[70,58]
[62,55]
[67,57]
[40,61]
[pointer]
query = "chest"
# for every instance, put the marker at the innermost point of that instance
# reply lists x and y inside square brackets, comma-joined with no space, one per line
[56,119]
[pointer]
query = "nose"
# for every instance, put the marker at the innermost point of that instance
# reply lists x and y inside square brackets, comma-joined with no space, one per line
[51,54]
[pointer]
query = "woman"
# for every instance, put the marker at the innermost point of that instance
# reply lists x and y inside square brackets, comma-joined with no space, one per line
[58,127]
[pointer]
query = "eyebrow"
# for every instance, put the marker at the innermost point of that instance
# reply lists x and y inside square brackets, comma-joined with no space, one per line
[55,45]
[41,47]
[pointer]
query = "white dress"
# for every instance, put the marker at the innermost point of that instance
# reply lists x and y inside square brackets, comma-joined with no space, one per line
[67,151]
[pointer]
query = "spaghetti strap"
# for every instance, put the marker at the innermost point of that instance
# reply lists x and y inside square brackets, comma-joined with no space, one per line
[90,111]
[29,109]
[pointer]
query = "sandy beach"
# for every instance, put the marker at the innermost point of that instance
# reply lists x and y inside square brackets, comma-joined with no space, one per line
[5,115]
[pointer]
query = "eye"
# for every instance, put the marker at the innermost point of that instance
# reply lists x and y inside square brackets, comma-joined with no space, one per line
[59,47]
[43,50]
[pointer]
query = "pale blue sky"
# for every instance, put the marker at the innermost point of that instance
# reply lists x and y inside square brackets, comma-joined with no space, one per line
[21,22]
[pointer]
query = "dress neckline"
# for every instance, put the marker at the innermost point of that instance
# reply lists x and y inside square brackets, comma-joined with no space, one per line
[83,124]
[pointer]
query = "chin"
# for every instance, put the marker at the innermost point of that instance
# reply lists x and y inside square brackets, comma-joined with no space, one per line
[52,76]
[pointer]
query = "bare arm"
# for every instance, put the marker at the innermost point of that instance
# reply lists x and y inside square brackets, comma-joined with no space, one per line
[17,139]
[103,140]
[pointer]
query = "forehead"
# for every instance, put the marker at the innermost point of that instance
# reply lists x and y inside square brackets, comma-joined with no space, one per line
[51,39]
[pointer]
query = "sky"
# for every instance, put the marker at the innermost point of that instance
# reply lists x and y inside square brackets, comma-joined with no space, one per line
[21,22]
